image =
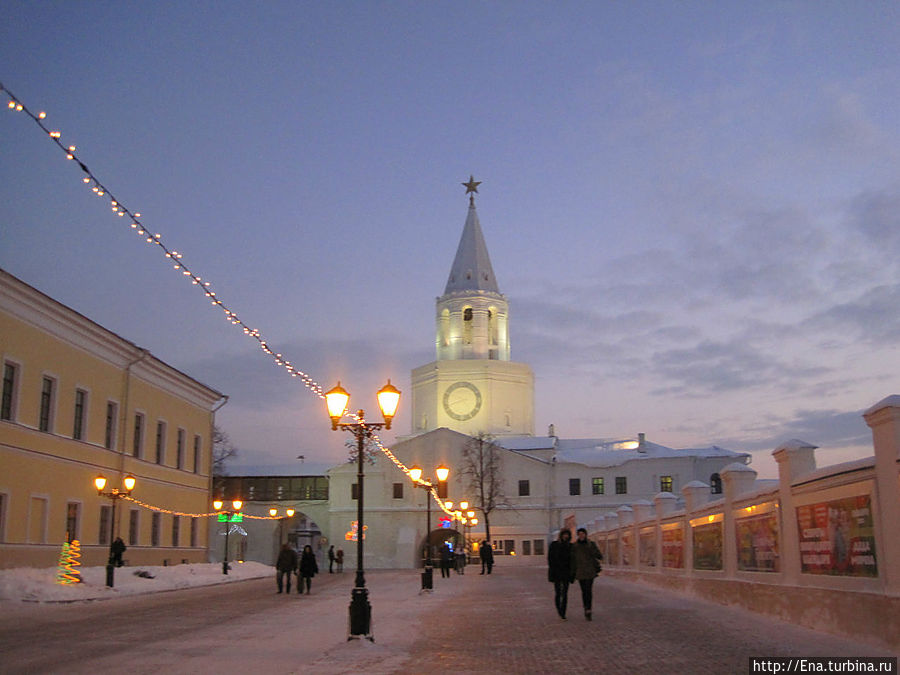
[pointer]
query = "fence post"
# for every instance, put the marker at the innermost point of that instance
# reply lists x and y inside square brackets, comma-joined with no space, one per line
[884,420]
[736,479]
[794,458]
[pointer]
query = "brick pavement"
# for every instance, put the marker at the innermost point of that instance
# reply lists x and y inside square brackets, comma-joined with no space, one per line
[506,623]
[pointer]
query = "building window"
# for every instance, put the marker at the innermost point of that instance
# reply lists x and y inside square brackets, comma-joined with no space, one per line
[180,452]
[539,547]
[621,485]
[197,445]
[105,525]
[194,531]
[597,487]
[526,547]
[509,546]
[176,530]
[524,488]
[138,442]
[112,417]
[715,484]
[80,408]
[155,525]
[467,326]
[133,527]
[47,388]
[72,509]
[354,491]
[398,490]
[7,411]
[574,486]
[665,483]
[160,442]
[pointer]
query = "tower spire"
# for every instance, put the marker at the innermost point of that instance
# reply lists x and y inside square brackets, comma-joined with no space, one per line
[472,270]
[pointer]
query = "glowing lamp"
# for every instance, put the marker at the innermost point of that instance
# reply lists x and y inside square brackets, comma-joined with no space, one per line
[217,504]
[100,483]
[470,514]
[442,472]
[237,503]
[464,505]
[336,400]
[272,512]
[388,400]
[474,522]
[416,473]
[129,482]
[290,513]
[448,505]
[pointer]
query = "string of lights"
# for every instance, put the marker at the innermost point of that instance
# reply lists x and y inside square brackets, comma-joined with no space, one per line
[212,514]
[178,264]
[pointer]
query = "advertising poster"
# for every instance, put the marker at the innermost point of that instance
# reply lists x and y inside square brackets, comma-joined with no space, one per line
[708,546]
[837,537]
[612,544]
[757,543]
[673,547]
[627,547]
[647,547]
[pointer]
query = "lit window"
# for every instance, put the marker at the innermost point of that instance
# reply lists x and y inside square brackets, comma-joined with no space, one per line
[665,483]
[597,487]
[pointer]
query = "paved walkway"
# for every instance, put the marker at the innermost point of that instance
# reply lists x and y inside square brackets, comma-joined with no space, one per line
[501,623]
[507,623]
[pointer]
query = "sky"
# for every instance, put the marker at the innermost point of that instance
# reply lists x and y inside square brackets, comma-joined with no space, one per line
[693,208]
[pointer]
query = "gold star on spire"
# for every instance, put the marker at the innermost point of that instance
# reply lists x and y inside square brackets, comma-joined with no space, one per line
[472,185]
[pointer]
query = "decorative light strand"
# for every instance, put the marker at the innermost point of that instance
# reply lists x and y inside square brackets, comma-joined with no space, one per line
[178,264]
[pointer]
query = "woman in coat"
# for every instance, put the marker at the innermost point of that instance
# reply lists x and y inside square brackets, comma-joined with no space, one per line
[561,569]
[586,557]
[307,569]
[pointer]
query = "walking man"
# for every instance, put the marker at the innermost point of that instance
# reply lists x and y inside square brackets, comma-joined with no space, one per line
[587,559]
[486,553]
[331,560]
[285,566]
[561,570]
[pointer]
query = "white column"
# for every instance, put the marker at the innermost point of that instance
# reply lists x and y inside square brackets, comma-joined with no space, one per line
[884,420]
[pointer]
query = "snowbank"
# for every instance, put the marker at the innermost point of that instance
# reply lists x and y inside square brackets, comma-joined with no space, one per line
[39,585]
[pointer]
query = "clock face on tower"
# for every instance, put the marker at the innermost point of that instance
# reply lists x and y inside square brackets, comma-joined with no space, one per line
[462,401]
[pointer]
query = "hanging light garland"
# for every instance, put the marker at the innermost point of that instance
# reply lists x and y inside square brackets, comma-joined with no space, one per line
[177,261]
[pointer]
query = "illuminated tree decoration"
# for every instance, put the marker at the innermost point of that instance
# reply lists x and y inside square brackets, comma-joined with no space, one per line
[68,560]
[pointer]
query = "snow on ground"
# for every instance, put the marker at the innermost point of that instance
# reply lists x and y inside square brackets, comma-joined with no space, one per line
[30,584]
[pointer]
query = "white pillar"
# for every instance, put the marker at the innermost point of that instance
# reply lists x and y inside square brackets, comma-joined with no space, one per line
[736,480]
[795,458]
[884,420]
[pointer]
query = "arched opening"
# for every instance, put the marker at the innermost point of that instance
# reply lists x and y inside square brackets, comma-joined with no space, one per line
[437,540]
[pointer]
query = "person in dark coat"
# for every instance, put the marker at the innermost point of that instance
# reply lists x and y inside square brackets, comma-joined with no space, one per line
[586,557]
[307,570]
[339,558]
[331,560]
[118,548]
[486,553]
[285,566]
[561,569]
[446,556]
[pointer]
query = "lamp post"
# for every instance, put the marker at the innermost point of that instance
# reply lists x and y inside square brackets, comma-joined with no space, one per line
[442,472]
[114,495]
[337,399]
[217,505]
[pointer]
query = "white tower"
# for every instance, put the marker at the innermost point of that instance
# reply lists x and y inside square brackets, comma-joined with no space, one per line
[473,386]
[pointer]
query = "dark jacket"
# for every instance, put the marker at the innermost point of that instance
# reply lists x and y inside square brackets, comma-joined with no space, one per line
[560,561]
[585,554]
[486,553]
[308,565]
[287,560]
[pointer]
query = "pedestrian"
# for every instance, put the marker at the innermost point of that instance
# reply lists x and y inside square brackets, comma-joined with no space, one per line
[587,559]
[307,569]
[118,548]
[331,560]
[446,554]
[486,553]
[461,560]
[340,560]
[561,569]
[285,566]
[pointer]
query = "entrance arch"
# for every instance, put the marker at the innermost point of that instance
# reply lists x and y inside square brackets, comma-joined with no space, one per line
[436,539]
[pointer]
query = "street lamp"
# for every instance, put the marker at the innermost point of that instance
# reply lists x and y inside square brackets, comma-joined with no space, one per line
[289,513]
[442,473]
[113,495]
[228,515]
[337,400]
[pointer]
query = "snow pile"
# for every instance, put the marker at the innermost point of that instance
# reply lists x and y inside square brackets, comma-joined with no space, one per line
[39,585]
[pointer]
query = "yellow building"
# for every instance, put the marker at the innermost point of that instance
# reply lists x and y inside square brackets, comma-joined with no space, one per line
[78,401]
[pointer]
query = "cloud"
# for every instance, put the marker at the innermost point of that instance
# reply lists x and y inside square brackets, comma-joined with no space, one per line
[873,317]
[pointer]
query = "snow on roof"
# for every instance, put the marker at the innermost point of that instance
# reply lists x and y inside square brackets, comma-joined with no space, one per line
[606,452]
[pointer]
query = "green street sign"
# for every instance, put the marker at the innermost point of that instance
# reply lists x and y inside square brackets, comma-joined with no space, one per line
[231,517]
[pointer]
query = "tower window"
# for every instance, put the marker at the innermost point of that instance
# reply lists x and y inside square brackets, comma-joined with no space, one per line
[467,314]
[467,325]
